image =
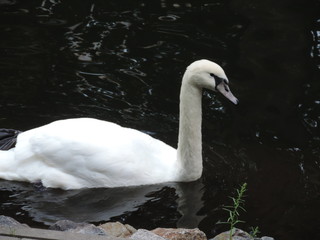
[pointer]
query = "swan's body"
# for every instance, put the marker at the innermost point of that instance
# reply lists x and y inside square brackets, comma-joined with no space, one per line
[85,152]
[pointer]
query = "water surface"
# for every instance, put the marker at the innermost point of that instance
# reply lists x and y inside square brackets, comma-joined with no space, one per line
[123,60]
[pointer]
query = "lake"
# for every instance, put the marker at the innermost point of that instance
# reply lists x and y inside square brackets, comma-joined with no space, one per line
[123,61]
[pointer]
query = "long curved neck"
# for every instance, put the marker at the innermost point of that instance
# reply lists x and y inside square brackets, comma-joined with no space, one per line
[190,141]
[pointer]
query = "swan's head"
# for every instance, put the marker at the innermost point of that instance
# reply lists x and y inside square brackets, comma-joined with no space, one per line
[207,74]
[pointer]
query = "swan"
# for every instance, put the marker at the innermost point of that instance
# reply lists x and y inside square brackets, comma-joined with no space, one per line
[90,153]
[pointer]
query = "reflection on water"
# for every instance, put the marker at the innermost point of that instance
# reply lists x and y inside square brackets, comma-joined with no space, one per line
[47,206]
[122,61]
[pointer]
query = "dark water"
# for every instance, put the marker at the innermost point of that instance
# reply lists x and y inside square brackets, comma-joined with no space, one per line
[122,61]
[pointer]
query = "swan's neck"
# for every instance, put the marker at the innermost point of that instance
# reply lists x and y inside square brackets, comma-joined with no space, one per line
[190,140]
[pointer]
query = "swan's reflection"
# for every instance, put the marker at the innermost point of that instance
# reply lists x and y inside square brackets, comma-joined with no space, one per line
[103,204]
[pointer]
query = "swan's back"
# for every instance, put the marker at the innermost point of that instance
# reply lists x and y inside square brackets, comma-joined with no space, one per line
[85,152]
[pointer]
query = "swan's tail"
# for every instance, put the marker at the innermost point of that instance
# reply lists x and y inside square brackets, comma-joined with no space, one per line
[8,138]
[7,164]
[6,157]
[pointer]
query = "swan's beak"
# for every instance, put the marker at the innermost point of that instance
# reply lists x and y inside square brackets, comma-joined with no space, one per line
[225,90]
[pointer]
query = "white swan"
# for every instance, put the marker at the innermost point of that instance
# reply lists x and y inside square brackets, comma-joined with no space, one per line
[87,153]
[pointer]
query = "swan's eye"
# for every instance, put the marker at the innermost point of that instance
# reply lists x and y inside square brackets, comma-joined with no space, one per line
[212,75]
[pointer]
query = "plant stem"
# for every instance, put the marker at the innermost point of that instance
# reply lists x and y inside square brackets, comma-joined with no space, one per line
[233,210]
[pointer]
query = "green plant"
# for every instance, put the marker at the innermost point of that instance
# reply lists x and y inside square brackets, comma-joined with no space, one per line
[233,210]
[254,232]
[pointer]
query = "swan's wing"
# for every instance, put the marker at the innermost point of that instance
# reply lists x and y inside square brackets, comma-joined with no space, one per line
[93,153]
